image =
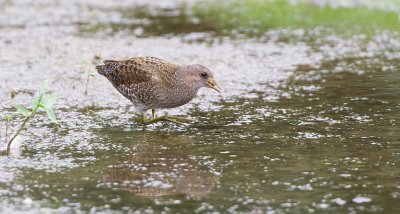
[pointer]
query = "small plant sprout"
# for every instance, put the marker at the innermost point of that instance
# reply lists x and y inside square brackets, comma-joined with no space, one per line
[42,102]
[8,119]
[90,72]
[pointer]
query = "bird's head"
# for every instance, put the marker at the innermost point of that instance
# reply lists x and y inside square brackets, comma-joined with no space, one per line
[200,76]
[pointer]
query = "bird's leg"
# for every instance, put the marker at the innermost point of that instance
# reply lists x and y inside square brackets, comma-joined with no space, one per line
[153,113]
[180,120]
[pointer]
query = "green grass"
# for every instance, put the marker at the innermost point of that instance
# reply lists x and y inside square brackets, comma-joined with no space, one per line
[264,15]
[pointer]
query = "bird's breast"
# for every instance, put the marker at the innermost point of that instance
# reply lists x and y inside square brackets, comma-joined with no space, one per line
[176,96]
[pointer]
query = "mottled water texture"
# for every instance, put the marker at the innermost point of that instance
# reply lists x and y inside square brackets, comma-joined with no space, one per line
[308,121]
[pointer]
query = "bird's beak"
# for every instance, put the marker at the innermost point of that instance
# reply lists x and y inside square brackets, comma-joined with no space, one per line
[213,85]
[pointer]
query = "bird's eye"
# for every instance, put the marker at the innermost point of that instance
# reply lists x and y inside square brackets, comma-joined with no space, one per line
[203,74]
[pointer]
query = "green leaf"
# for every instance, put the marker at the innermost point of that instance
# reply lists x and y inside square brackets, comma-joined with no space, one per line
[92,74]
[42,90]
[8,118]
[48,101]
[23,110]
[51,115]
[35,103]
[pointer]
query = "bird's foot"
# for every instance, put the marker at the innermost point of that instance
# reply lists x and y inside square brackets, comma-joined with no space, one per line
[179,120]
[173,119]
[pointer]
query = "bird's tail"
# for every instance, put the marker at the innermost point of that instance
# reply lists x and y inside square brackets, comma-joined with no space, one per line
[109,66]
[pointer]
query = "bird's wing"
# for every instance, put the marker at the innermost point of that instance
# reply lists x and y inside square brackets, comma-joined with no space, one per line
[135,70]
[162,69]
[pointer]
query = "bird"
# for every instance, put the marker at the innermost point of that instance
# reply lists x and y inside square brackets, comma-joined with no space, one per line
[153,83]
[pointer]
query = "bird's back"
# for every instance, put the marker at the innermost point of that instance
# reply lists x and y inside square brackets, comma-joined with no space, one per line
[135,70]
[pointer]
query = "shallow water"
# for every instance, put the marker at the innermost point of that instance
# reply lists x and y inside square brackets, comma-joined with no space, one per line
[307,122]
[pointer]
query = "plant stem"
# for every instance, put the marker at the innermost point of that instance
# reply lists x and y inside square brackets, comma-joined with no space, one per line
[87,83]
[22,126]
[6,137]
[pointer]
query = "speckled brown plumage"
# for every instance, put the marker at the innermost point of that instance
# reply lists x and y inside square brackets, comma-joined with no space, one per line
[152,83]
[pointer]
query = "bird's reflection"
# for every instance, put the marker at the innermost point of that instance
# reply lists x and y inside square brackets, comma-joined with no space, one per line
[161,167]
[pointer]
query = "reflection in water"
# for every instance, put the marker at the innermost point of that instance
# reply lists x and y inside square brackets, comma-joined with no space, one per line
[193,184]
[157,171]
